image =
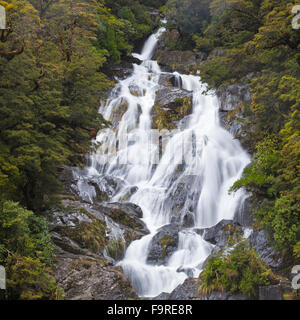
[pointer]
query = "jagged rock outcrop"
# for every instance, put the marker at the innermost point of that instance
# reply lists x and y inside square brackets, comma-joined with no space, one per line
[88,239]
[88,277]
[90,236]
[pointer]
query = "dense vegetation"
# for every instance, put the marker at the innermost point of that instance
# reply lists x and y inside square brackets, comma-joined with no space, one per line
[238,271]
[51,55]
[257,46]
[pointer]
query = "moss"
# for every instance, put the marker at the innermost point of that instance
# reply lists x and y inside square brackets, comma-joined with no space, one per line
[125,219]
[116,249]
[86,263]
[241,271]
[131,236]
[88,235]
[232,233]
[165,118]
[166,241]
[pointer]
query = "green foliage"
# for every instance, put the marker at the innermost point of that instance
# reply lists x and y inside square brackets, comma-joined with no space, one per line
[50,90]
[27,254]
[188,16]
[239,270]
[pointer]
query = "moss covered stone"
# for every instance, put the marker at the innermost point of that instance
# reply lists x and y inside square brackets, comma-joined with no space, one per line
[166,116]
[89,235]
[167,241]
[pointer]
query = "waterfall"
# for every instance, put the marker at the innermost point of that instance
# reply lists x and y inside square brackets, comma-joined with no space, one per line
[214,161]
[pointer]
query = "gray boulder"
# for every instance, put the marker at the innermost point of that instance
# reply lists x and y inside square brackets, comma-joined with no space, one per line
[219,234]
[163,245]
[259,240]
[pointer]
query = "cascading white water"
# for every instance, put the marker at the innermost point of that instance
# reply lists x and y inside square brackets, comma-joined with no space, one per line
[217,164]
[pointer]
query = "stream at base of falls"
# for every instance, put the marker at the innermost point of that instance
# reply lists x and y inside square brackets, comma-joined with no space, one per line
[212,162]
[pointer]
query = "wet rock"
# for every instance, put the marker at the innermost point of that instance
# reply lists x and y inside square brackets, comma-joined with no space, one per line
[188,220]
[182,200]
[120,71]
[162,296]
[243,215]
[171,105]
[125,213]
[231,98]
[260,242]
[104,229]
[223,296]
[187,291]
[221,232]
[166,96]
[80,184]
[120,108]
[169,79]
[163,245]
[188,271]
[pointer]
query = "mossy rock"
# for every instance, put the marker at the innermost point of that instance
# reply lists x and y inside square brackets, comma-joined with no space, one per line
[89,235]
[119,111]
[166,116]
[120,216]
[163,245]
[167,241]
[116,249]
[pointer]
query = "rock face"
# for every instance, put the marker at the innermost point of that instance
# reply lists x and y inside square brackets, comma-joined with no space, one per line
[243,216]
[189,291]
[221,232]
[260,242]
[86,277]
[163,245]
[172,59]
[171,105]
[89,238]
[182,200]
[87,242]
[80,185]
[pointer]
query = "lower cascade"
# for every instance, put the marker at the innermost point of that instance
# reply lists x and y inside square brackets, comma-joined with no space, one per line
[199,153]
